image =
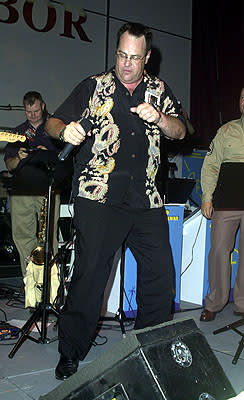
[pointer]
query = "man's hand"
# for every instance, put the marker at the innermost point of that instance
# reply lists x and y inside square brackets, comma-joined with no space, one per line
[207,209]
[41,147]
[12,162]
[74,133]
[147,112]
[171,127]
[22,153]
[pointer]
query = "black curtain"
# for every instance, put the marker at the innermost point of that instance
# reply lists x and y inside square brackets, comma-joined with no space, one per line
[217,71]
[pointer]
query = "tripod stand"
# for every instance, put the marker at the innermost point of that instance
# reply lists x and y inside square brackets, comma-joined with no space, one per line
[120,316]
[234,327]
[44,308]
[61,258]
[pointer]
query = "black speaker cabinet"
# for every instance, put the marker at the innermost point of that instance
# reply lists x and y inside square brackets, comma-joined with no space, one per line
[171,361]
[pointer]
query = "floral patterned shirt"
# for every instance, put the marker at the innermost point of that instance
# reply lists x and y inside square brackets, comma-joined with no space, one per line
[118,163]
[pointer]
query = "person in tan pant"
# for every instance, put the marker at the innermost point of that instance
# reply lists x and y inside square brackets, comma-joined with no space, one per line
[223,201]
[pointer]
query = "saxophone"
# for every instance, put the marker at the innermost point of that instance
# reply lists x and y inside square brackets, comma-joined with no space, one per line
[34,272]
[37,254]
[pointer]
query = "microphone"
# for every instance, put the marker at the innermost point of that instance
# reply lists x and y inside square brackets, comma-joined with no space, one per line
[86,125]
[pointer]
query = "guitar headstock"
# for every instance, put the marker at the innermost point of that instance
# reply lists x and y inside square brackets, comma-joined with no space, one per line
[6,136]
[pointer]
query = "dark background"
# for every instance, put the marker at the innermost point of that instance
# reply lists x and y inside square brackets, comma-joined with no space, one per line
[217,73]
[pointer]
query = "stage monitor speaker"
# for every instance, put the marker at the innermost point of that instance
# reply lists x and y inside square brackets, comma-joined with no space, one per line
[171,361]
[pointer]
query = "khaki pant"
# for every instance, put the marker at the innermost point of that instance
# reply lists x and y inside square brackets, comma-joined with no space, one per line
[223,233]
[25,212]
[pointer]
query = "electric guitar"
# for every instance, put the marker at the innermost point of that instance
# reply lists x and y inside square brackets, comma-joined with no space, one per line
[6,136]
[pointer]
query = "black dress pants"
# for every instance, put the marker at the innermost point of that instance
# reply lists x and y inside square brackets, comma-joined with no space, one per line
[100,231]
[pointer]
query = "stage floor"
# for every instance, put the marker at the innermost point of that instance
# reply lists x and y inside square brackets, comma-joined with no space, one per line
[30,373]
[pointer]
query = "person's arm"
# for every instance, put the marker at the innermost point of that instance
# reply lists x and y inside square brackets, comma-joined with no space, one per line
[54,126]
[13,162]
[210,172]
[62,124]
[172,127]
[72,133]
[166,116]
[211,167]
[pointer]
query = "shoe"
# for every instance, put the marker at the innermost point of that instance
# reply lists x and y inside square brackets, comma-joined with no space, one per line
[239,313]
[65,368]
[207,315]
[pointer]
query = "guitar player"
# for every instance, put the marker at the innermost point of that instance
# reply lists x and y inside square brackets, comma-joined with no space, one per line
[25,206]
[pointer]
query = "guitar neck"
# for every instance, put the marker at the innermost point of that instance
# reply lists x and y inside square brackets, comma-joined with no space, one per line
[7,136]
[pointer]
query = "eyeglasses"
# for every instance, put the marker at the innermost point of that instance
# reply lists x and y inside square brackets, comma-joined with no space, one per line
[124,57]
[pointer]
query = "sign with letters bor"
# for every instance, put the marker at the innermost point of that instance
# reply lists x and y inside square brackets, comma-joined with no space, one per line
[33,12]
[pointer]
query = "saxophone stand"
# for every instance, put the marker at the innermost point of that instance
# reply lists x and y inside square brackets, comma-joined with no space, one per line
[234,327]
[44,308]
[120,316]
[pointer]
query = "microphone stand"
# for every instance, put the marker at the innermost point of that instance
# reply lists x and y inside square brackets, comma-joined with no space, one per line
[44,308]
[120,315]
[234,327]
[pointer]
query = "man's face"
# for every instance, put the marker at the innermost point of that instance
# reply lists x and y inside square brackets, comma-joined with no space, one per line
[242,102]
[34,113]
[129,70]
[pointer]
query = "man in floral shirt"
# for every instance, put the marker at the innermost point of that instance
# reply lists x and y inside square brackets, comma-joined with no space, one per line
[125,111]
